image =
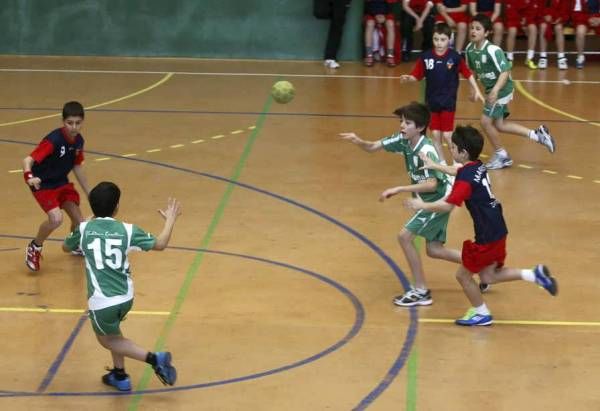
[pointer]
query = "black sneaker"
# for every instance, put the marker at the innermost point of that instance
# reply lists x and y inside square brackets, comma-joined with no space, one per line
[544,279]
[483,287]
[111,380]
[413,297]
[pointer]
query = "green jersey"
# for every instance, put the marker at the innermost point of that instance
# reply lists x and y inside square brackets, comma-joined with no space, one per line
[105,243]
[488,62]
[396,143]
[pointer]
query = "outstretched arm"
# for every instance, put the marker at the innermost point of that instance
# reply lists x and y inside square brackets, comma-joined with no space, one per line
[428,163]
[369,146]
[170,215]
[426,186]
[439,206]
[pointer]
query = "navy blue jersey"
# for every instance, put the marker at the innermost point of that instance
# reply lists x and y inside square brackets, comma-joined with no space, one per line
[54,168]
[472,185]
[452,4]
[594,7]
[441,73]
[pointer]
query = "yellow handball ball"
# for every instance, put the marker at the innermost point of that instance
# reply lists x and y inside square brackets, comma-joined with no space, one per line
[283,92]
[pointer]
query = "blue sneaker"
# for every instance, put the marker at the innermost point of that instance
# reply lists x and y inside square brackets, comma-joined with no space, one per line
[471,318]
[163,369]
[544,279]
[111,380]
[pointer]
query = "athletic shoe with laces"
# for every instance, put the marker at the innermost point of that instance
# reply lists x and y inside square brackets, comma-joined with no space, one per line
[544,279]
[33,254]
[369,60]
[542,63]
[497,162]
[484,288]
[580,62]
[163,369]
[531,64]
[111,380]
[545,138]
[471,318]
[562,63]
[390,60]
[332,64]
[413,297]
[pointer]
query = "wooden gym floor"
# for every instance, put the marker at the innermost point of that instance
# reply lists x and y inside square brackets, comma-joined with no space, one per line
[276,292]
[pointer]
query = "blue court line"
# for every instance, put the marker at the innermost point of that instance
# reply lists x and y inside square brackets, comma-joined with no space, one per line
[61,355]
[413,323]
[357,325]
[252,113]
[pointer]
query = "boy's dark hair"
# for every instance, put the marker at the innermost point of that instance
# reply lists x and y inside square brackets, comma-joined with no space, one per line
[484,20]
[442,28]
[468,138]
[73,109]
[104,199]
[416,112]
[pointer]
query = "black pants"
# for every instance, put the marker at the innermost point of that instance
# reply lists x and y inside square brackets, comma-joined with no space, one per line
[408,23]
[336,27]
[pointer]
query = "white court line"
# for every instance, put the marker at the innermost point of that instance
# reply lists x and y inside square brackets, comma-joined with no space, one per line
[200,73]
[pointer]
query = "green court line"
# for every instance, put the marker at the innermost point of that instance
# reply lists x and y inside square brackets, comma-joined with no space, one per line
[411,384]
[193,270]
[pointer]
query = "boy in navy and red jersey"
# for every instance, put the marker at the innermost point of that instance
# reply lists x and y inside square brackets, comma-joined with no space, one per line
[492,9]
[553,14]
[45,172]
[417,16]
[454,14]
[440,67]
[487,253]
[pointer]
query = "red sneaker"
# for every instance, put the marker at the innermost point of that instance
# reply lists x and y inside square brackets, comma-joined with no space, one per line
[33,254]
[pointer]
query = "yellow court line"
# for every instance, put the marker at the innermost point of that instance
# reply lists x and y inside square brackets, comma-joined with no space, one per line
[197,141]
[251,127]
[102,159]
[153,150]
[575,177]
[549,172]
[129,155]
[527,95]
[520,322]
[597,181]
[217,137]
[177,145]
[106,103]
[20,170]
[525,166]
[69,311]
[237,131]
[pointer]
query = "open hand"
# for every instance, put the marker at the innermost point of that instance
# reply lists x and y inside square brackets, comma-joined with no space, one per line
[173,209]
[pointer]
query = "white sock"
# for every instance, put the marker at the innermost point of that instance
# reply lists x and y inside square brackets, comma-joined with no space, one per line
[561,55]
[482,310]
[421,290]
[543,54]
[533,136]
[528,275]
[530,54]
[501,152]
[580,57]
[510,56]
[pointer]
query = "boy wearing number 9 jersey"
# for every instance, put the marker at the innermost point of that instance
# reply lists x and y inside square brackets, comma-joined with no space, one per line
[105,243]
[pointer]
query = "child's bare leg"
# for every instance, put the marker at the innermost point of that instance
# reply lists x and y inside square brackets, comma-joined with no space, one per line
[436,249]
[447,135]
[511,128]
[501,275]
[390,28]
[405,238]
[560,38]
[510,41]
[469,286]
[55,218]
[498,32]
[436,138]
[369,28]
[121,347]
[543,41]
[74,213]
[531,38]
[461,35]
[487,123]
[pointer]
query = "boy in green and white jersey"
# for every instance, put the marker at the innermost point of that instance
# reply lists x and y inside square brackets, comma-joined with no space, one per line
[105,243]
[426,184]
[492,68]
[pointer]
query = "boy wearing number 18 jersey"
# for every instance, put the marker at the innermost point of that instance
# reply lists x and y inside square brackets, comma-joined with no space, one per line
[105,243]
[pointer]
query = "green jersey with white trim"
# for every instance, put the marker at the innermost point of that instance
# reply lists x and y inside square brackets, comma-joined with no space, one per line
[105,243]
[397,143]
[488,63]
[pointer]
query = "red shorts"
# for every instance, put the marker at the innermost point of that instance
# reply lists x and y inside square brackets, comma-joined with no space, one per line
[516,11]
[442,120]
[554,14]
[55,197]
[458,17]
[489,14]
[475,257]
[580,18]
[369,17]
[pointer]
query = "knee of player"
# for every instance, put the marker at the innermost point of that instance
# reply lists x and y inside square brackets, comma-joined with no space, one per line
[55,219]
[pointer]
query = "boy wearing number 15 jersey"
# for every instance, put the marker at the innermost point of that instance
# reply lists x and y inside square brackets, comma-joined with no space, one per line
[106,243]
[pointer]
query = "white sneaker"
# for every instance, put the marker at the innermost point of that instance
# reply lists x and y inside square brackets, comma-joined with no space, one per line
[542,63]
[545,138]
[497,162]
[562,63]
[332,64]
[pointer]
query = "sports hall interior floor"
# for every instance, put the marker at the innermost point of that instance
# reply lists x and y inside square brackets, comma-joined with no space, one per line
[276,293]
